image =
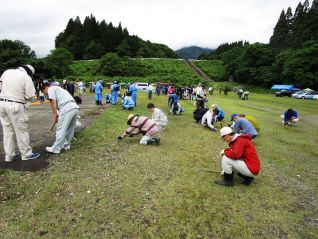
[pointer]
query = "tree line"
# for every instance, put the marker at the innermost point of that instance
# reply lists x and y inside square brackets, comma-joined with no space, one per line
[289,58]
[92,39]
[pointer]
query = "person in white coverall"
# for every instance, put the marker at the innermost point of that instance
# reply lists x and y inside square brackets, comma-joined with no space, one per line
[16,89]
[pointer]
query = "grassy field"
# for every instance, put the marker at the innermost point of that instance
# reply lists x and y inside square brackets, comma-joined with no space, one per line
[108,189]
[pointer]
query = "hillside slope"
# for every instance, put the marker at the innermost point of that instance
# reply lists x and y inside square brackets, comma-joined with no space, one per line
[150,70]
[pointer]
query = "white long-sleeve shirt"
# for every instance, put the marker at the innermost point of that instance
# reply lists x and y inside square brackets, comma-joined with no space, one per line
[208,116]
[199,93]
[159,117]
[17,85]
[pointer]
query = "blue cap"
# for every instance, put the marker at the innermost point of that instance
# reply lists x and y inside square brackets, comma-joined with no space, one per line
[233,115]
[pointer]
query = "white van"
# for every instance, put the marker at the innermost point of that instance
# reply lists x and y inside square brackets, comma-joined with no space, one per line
[141,86]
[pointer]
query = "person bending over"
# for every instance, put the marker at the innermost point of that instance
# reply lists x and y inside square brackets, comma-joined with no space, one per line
[290,117]
[207,120]
[242,125]
[65,112]
[128,103]
[141,124]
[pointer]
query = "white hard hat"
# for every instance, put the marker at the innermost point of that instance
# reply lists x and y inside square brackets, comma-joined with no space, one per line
[31,68]
[225,131]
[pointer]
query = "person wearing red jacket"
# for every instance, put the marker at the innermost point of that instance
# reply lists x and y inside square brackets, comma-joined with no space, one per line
[240,157]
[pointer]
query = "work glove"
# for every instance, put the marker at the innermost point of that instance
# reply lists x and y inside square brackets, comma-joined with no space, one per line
[119,138]
[222,152]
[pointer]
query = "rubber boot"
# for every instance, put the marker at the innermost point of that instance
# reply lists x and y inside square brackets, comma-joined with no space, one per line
[157,140]
[100,102]
[96,102]
[150,141]
[227,180]
[246,179]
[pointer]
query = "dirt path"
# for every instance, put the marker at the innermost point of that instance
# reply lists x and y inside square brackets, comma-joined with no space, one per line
[40,123]
[197,70]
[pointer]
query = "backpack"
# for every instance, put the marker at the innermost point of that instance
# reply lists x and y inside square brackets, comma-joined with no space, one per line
[198,114]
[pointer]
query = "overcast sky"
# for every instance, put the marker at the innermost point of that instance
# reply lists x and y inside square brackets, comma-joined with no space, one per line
[176,23]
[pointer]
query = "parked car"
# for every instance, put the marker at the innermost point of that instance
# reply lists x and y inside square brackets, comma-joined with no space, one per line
[307,95]
[283,93]
[297,93]
[315,97]
[141,85]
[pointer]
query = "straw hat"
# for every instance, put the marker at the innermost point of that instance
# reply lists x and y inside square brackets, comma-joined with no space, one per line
[130,117]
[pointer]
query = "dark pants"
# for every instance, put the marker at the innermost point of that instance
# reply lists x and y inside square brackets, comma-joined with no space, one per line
[199,104]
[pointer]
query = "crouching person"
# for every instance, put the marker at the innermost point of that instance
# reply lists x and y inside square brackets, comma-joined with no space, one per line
[240,157]
[158,117]
[65,112]
[290,117]
[141,124]
[128,103]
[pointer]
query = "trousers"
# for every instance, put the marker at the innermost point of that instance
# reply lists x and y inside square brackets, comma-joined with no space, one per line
[145,139]
[14,119]
[65,129]
[230,165]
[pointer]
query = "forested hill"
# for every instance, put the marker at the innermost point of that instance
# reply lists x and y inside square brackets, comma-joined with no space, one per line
[92,39]
[289,58]
[191,52]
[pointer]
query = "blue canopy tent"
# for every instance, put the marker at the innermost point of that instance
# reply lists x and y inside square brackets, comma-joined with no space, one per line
[284,87]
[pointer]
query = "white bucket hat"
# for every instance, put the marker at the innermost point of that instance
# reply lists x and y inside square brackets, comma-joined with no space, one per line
[225,131]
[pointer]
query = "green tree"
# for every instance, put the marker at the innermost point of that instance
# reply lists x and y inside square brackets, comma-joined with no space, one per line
[93,51]
[254,64]
[123,49]
[14,53]
[59,61]
[281,32]
[300,67]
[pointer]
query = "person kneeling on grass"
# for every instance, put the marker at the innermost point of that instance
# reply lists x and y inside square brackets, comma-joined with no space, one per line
[176,108]
[243,126]
[240,157]
[207,120]
[128,103]
[290,117]
[141,124]
[108,98]
[65,112]
[158,117]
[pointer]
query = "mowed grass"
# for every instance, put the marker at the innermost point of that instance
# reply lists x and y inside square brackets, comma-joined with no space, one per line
[108,189]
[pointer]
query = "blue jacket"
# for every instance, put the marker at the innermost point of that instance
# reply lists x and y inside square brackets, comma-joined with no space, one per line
[132,89]
[98,88]
[288,116]
[113,88]
[108,97]
[219,111]
[128,102]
